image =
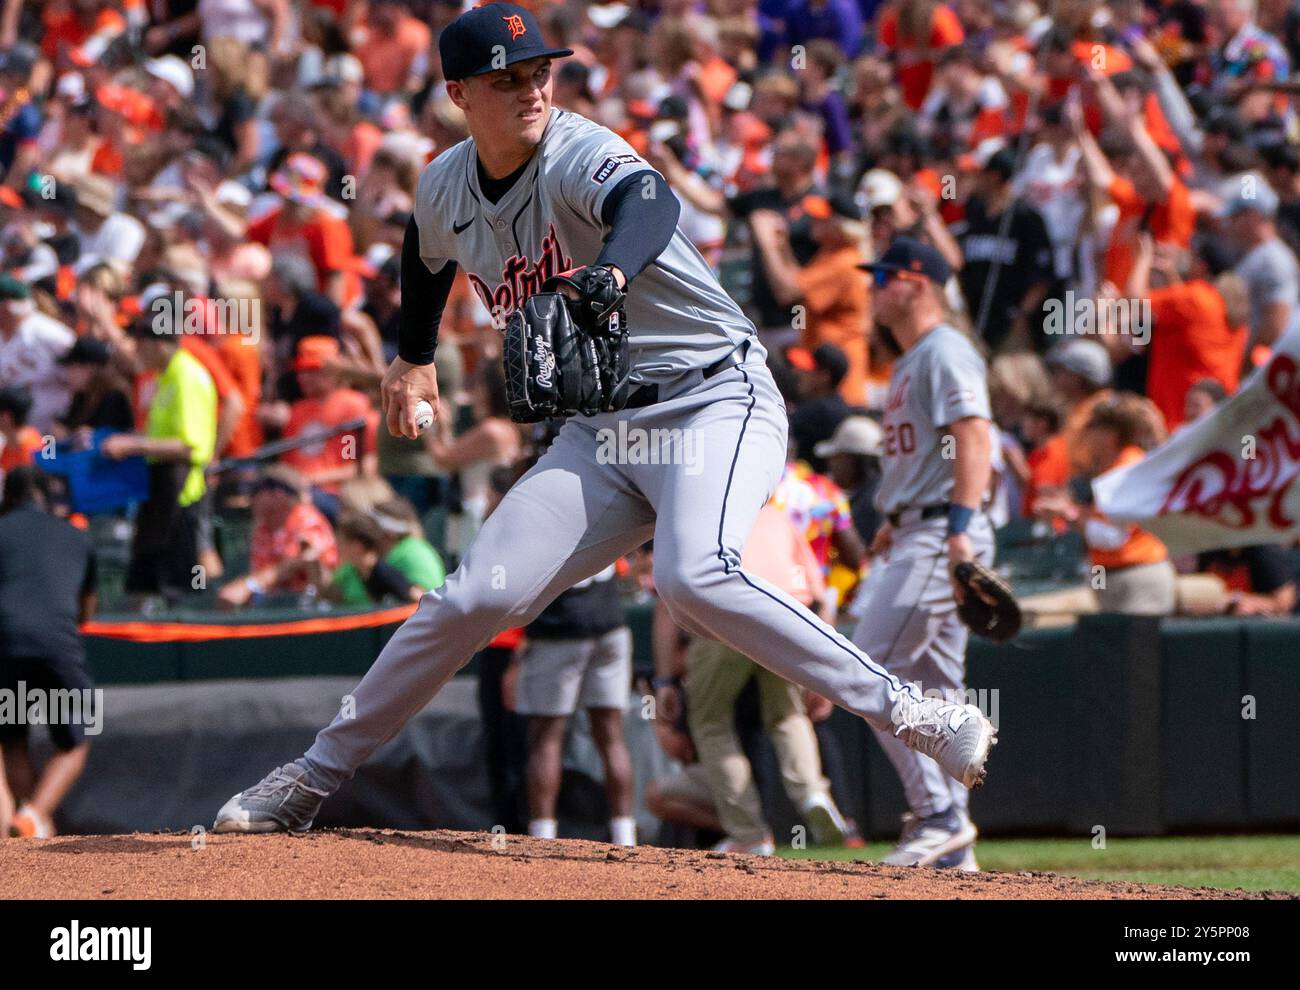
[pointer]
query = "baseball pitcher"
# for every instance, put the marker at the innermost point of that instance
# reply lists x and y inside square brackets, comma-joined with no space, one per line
[935,469]
[674,427]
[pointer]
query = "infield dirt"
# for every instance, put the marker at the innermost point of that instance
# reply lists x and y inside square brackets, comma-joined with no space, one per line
[364,863]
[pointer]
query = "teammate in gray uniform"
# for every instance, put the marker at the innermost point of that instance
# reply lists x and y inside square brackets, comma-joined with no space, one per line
[532,192]
[935,470]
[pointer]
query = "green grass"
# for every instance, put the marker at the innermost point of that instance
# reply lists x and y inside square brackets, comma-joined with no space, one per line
[1252,862]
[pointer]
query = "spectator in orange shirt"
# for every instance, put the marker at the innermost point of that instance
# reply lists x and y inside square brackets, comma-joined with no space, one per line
[1046,464]
[241,355]
[1191,337]
[1131,572]
[328,462]
[713,75]
[1137,177]
[21,442]
[1081,375]
[230,398]
[304,225]
[1071,44]
[829,286]
[289,537]
[395,43]
[901,28]
[78,32]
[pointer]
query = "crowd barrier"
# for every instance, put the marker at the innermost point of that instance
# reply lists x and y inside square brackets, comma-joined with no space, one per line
[1128,725]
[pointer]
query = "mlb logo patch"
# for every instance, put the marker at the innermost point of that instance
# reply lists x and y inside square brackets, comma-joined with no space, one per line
[610,165]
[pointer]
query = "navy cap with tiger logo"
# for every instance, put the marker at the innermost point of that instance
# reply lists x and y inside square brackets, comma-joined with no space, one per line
[491,37]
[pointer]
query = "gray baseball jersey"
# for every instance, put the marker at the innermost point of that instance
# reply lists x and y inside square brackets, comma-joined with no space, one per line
[939,381]
[575,512]
[549,221]
[909,620]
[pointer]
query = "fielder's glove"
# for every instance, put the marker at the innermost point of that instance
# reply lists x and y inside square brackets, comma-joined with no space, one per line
[563,356]
[989,607]
[550,365]
[598,308]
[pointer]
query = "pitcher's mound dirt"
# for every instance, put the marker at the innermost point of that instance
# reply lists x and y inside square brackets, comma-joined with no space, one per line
[364,863]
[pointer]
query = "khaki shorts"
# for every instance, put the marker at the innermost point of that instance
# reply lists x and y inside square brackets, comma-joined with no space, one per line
[559,676]
[688,783]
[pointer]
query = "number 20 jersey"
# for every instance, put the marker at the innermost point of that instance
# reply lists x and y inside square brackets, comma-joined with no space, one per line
[939,381]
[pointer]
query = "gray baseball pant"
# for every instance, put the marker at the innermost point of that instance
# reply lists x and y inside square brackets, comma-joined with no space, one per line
[910,624]
[601,490]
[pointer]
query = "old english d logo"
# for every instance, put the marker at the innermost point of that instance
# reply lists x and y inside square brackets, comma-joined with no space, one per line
[516,25]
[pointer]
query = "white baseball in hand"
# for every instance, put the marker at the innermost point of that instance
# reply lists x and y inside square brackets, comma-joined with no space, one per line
[423,416]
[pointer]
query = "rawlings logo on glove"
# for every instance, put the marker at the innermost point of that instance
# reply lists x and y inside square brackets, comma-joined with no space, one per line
[567,353]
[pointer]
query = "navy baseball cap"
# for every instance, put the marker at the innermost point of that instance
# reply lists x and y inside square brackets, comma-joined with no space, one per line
[908,255]
[469,44]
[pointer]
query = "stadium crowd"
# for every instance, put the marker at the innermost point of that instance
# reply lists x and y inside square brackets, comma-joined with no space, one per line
[202,205]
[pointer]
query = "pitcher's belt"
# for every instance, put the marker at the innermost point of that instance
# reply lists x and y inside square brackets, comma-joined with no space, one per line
[648,395]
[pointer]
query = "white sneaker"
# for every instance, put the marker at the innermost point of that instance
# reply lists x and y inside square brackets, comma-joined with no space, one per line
[957,737]
[764,847]
[824,819]
[28,823]
[925,841]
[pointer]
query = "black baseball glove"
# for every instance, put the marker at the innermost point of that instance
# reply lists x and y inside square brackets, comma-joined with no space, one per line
[989,607]
[563,355]
[598,308]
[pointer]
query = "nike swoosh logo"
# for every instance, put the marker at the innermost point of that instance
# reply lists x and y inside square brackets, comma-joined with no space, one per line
[456,228]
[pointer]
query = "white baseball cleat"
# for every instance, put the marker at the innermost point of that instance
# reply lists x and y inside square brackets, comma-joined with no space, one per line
[764,847]
[933,841]
[957,737]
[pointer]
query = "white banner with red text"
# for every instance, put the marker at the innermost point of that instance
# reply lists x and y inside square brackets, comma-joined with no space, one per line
[1226,480]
